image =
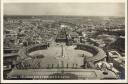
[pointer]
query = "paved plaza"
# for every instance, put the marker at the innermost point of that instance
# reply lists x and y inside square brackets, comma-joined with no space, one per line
[58,56]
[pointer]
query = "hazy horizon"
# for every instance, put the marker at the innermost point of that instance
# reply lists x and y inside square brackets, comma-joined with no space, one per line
[65,9]
[61,15]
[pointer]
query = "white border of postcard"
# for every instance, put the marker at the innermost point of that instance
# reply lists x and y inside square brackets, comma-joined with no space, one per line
[63,81]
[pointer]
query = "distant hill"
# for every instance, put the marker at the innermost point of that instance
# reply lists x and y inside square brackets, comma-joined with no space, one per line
[74,19]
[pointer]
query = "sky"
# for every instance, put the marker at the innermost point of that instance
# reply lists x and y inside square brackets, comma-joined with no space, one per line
[74,9]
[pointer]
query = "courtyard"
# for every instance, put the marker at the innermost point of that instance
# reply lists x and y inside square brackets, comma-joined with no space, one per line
[61,56]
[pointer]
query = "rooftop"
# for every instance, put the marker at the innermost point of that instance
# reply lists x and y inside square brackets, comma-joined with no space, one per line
[79,73]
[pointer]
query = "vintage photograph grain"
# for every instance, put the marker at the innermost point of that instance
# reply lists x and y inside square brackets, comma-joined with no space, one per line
[64,41]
